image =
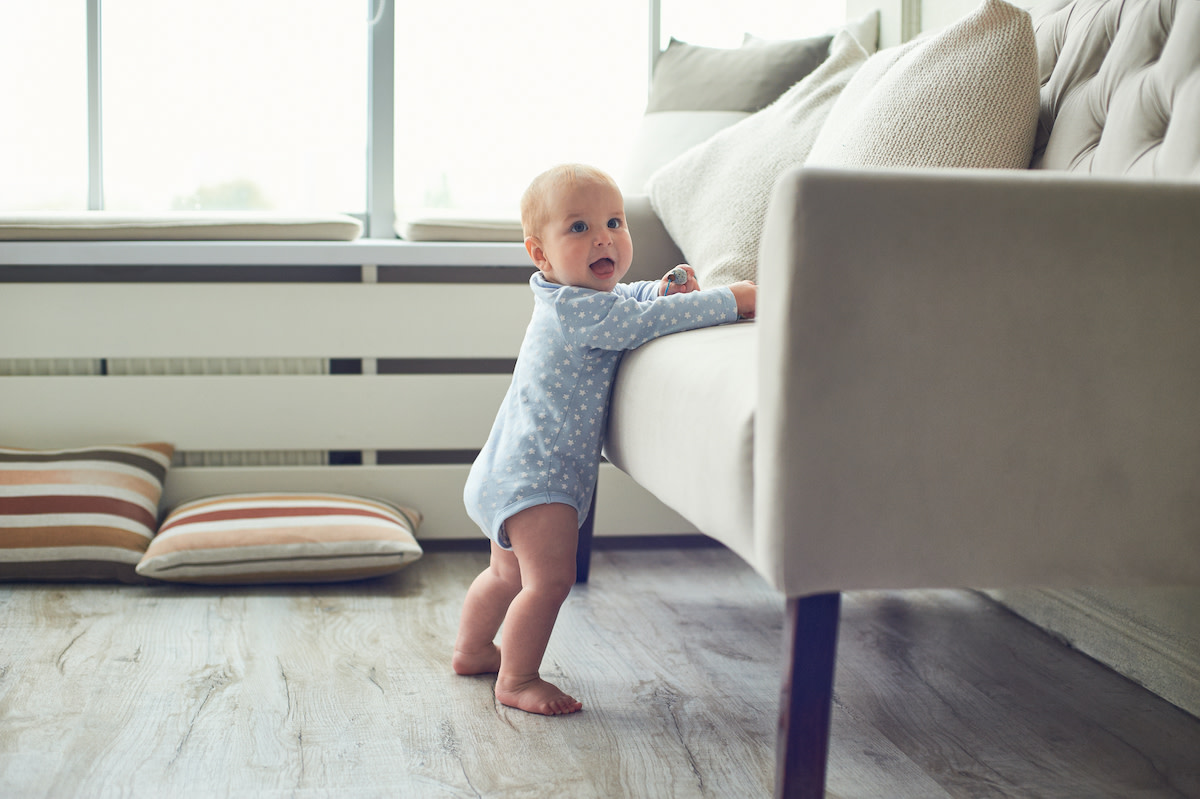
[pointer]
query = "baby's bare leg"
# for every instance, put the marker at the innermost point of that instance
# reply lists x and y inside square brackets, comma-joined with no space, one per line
[475,651]
[544,539]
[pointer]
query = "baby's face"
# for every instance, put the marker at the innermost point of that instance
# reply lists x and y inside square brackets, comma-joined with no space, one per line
[584,241]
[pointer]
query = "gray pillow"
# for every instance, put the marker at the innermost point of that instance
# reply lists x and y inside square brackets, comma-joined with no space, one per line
[689,77]
[697,91]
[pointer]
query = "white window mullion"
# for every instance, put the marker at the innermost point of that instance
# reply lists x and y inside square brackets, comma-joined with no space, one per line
[95,154]
[655,37]
[381,52]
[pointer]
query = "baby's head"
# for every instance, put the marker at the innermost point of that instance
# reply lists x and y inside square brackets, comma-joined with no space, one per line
[573,217]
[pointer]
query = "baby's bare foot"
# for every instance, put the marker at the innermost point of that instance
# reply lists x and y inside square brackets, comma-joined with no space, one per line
[537,696]
[485,661]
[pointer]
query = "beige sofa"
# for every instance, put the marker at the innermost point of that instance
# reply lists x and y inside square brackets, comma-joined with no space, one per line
[958,377]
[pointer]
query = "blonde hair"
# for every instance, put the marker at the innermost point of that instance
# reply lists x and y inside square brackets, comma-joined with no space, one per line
[535,210]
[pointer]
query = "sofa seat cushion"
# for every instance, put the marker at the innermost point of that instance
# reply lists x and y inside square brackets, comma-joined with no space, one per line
[682,426]
[177,226]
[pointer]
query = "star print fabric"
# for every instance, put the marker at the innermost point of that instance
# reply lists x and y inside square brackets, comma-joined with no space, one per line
[545,444]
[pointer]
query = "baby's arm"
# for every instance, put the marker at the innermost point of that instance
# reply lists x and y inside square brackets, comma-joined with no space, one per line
[621,320]
[745,292]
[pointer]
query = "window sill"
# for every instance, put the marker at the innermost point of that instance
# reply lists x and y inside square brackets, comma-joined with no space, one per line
[377,252]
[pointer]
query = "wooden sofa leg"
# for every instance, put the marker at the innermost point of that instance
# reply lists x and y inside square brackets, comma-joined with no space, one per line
[583,554]
[806,705]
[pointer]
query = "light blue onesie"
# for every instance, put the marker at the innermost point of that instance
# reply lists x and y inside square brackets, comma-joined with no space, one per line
[545,443]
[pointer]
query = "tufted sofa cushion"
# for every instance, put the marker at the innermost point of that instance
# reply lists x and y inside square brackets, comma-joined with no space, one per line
[1120,87]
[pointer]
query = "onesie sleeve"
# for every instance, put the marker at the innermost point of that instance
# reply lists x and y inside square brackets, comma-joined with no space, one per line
[609,321]
[644,290]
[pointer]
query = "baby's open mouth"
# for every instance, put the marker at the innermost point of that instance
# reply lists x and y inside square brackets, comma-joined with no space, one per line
[603,268]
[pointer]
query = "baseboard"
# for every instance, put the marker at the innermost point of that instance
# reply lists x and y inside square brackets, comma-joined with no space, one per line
[1151,636]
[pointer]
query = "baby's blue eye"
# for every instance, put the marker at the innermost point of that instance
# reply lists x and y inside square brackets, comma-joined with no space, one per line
[614,223]
[579,227]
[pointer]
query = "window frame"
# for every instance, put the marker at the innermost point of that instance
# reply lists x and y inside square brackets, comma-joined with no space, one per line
[379,218]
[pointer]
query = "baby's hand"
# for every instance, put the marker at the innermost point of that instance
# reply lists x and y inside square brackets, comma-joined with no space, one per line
[666,287]
[745,292]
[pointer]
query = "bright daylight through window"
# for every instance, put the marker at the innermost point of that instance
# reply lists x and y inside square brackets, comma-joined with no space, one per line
[263,104]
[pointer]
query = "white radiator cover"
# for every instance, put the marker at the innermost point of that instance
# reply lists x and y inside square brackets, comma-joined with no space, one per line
[61,367]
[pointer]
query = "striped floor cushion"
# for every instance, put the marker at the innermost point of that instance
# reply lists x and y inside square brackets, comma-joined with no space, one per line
[281,538]
[79,514]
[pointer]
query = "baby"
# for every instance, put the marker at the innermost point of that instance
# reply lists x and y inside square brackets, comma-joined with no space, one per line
[532,484]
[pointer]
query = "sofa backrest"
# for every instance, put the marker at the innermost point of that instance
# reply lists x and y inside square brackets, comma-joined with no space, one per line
[1120,87]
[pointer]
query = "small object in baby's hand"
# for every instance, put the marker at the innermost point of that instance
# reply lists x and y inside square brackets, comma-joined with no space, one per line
[676,277]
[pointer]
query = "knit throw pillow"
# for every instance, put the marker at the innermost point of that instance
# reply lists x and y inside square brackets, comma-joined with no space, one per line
[713,198]
[964,97]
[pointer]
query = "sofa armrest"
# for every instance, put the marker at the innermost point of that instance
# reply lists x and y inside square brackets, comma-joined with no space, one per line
[653,250]
[978,379]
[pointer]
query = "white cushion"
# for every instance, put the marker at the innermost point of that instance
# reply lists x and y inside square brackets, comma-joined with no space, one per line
[713,198]
[965,97]
[459,226]
[864,29]
[665,135]
[177,226]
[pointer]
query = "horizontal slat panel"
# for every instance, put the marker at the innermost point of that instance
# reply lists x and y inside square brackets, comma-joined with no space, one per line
[255,320]
[253,412]
[623,507]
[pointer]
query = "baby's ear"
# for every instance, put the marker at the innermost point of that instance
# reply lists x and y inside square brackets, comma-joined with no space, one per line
[533,246]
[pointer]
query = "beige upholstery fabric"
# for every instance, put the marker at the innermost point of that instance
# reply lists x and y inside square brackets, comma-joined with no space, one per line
[688,431]
[713,198]
[181,226]
[969,377]
[997,387]
[963,97]
[1121,93]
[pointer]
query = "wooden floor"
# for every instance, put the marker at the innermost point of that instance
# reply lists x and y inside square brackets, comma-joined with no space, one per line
[345,691]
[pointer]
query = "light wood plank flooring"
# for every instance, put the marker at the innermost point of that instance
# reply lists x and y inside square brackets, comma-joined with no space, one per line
[345,691]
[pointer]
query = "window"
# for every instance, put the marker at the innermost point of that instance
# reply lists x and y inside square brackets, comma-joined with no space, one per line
[234,104]
[43,138]
[265,104]
[489,94]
